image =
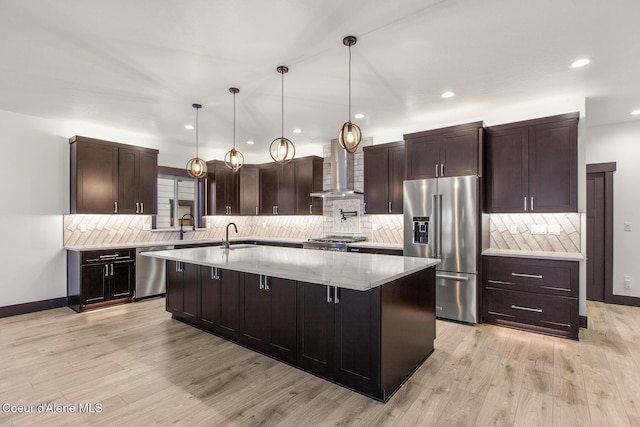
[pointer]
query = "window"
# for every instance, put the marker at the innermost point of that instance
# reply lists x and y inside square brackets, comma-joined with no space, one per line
[177,197]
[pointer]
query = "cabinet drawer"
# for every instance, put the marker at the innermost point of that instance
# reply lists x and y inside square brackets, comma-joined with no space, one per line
[107,255]
[552,277]
[542,313]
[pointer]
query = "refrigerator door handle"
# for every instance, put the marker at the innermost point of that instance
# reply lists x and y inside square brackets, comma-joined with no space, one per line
[438,207]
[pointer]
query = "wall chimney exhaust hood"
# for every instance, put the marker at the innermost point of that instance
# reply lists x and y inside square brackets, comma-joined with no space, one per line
[341,173]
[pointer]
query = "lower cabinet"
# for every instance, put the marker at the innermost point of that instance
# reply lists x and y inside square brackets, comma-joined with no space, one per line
[538,295]
[368,341]
[339,334]
[100,278]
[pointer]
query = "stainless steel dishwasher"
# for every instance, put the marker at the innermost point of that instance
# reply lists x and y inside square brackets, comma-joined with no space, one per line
[150,274]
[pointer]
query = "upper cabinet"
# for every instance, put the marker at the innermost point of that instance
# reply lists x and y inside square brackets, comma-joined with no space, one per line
[531,166]
[383,177]
[451,151]
[107,177]
[285,189]
[232,193]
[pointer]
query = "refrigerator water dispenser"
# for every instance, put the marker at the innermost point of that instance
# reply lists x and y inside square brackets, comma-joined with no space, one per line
[421,229]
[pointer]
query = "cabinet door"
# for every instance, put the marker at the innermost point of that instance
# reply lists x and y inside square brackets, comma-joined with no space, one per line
[148,183]
[96,178]
[358,339]
[304,185]
[209,301]
[128,173]
[553,161]
[174,288]
[223,178]
[229,303]
[95,278]
[249,190]
[282,339]
[287,189]
[268,189]
[396,178]
[376,180]
[422,157]
[507,170]
[190,291]
[121,280]
[255,317]
[459,153]
[316,331]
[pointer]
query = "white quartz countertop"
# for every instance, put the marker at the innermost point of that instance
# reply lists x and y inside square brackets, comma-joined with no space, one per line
[341,269]
[565,256]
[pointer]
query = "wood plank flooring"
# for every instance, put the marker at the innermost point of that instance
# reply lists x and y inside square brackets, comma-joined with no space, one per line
[144,368]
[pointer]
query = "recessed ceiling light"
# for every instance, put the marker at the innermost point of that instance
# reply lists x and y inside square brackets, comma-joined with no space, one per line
[635,113]
[580,63]
[359,116]
[190,127]
[297,131]
[250,142]
[447,94]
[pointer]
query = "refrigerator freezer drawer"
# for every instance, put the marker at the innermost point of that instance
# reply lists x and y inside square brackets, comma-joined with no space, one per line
[456,296]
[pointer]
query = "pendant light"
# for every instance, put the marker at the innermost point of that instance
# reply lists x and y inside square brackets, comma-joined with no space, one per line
[234,159]
[196,167]
[282,149]
[350,134]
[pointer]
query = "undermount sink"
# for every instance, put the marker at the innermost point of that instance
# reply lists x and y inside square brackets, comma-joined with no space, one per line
[239,246]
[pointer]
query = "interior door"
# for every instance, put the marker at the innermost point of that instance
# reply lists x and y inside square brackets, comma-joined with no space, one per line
[595,239]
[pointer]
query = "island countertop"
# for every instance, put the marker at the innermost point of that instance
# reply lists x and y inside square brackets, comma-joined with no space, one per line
[341,269]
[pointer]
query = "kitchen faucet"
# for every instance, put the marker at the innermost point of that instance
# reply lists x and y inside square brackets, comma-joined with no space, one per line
[226,242]
[182,220]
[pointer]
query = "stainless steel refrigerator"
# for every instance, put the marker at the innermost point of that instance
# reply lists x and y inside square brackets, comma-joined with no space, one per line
[441,220]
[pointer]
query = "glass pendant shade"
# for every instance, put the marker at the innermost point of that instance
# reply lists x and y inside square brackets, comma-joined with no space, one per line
[350,134]
[282,149]
[234,159]
[196,167]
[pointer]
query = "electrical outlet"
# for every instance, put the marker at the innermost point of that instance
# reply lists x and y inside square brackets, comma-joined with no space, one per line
[83,228]
[627,226]
[554,229]
[513,229]
[539,229]
[627,282]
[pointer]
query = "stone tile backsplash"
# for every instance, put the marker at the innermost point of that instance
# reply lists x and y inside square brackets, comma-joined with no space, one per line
[519,232]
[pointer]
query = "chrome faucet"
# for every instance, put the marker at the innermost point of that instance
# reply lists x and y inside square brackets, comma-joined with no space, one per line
[226,242]
[182,220]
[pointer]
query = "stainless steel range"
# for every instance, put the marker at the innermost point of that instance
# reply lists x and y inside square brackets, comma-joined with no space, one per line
[332,243]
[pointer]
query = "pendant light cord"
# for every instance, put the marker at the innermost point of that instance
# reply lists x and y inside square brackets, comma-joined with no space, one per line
[349,83]
[197,133]
[234,122]
[282,106]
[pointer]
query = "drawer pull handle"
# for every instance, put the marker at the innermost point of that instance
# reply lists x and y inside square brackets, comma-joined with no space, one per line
[530,276]
[447,276]
[555,289]
[498,282]
[519,307]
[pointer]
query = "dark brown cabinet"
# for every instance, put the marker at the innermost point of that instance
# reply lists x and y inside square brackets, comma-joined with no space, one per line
[108,177]
[285,189]
[99,278]
[451,151]
[532,166]
[268,317]
[383,178]
[534,294]
[219,301]
[182,289]
[222,190]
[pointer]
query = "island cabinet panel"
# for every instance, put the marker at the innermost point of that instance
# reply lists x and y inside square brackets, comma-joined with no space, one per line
[209,298]
[534,294]
[316,332]
[451,151]
[532,166]
[182,289]
[383,178]
[268,315]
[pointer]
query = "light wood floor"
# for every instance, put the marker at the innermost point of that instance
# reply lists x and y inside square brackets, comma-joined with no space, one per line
[146,369]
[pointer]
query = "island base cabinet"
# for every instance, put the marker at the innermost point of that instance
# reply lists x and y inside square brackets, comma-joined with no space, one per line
[219,301]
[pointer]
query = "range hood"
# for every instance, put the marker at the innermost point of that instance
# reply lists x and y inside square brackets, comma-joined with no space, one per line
[341,183]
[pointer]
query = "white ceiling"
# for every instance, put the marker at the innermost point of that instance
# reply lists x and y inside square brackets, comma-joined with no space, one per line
[138,65]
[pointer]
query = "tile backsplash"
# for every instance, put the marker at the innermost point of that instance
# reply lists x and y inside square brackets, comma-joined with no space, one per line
[559,232]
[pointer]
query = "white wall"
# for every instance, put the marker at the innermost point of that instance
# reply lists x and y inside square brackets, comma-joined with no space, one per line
[34,169]
[620,143]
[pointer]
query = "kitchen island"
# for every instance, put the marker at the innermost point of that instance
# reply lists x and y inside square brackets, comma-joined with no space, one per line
[363,321]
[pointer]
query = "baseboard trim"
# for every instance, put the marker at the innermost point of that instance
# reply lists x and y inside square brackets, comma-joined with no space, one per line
[30,307]
[583,322]
[623,300]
